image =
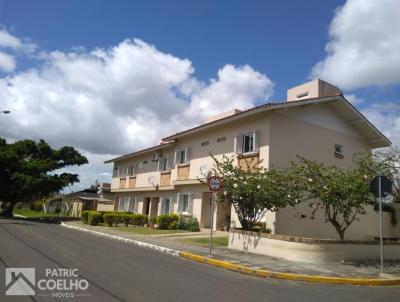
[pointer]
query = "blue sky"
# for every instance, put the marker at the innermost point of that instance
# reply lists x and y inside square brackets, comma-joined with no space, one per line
[283,39]
[68,76]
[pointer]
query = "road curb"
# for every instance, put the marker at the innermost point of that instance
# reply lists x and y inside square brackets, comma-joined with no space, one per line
[288,276]
[126,240]
[245,269]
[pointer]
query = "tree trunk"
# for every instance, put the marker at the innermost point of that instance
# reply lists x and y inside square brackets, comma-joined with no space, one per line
[339,231]
[7,209]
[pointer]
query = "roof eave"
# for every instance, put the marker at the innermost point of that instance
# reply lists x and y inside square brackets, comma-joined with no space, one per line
[382,138]
[261,108]
[140,152]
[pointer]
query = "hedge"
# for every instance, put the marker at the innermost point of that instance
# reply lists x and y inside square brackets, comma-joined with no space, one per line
[84,216]
[139,219]
[167,221]
[114,218]
[94,218]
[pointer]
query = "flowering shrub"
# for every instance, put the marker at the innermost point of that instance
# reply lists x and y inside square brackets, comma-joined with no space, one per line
[340,194]
[254,190]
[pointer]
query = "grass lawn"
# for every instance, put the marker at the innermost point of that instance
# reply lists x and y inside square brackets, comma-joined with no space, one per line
[31,213]
[217,241]
[144,230]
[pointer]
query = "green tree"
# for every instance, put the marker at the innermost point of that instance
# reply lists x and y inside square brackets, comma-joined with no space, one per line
[27,171]
[253,190]
[341,195]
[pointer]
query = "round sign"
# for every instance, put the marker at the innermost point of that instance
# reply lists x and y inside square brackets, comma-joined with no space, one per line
[386,186]
[214,183]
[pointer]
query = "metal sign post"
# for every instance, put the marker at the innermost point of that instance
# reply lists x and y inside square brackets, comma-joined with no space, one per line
[213,198]
[380,220]
[381,187]
[214,183]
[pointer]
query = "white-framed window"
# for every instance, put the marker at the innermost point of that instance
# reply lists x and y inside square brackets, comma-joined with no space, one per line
[248,142]
[338,151]
[163,164]
[182,156]
[123,171]
[167,205]
[185,203]
[121,204]
[132,170]
[115,171]
[126,204]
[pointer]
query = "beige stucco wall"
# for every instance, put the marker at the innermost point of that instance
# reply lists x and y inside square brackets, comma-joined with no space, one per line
[105,207]
[312,132]
[311,252]
[289,222]
[312,138]
[199,155]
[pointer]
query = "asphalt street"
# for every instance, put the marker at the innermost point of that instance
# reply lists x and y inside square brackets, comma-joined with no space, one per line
[116,271]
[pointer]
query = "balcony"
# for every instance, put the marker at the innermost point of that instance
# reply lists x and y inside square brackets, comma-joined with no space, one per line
[122,183]
[183,172]
[248,161]
[165,179]
[132,182]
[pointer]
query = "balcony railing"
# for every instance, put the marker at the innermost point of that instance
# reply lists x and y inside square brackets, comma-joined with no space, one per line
[132,182]
[183,172]
[122,183]
[248,161]
[165,179]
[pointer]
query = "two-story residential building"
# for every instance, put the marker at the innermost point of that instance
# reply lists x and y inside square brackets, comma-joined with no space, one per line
[315,122]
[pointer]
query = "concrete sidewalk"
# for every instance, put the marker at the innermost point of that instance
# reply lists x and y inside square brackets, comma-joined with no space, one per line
[254,261]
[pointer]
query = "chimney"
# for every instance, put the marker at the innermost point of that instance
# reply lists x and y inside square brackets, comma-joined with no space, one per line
[221,115]
[313,89]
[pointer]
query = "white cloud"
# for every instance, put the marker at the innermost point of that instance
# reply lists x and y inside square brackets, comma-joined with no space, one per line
[7,62]
[113,101]
[235,87]
[355,100]
[11,46]
[8,40]
[385,116]
[364,45]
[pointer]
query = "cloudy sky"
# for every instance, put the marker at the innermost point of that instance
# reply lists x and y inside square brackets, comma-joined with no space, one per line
[112,77]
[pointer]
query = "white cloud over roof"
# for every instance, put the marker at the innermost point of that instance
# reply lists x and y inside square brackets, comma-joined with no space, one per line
[120,99]
[364,45]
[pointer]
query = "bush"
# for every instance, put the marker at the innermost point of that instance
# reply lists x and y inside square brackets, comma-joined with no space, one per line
[109,218]
[94,218]
[188,223]
[84,216]
[126,218]
[167,221]
[138,219]
[37,205]
[193,225]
